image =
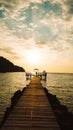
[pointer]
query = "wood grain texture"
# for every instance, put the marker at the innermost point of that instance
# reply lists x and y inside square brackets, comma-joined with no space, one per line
[33,110]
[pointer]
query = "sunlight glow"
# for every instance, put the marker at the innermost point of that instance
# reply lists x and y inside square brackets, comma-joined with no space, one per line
[33,57]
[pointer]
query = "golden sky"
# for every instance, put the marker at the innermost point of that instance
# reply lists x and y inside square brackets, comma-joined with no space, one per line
[37,34]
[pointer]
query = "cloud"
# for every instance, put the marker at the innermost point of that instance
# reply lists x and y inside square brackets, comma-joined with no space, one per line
[13,44]
[8,50]
[41,44]
[35,7]
[24,24]
[67,8]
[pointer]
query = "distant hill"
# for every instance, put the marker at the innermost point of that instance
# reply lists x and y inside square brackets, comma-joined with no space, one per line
[7,66]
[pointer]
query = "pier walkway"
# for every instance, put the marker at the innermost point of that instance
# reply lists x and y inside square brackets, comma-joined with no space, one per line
[32,111]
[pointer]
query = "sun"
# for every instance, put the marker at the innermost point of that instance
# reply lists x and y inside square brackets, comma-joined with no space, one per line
[33,57]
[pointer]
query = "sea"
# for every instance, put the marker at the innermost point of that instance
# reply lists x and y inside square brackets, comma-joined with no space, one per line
[59,84]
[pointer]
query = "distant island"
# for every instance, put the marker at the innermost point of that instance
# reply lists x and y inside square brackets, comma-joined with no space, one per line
[7,66]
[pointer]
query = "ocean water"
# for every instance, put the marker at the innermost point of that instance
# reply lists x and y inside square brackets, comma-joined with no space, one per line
[9,84]
[60,85]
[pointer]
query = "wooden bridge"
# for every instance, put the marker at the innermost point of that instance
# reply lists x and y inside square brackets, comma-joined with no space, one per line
[32,111]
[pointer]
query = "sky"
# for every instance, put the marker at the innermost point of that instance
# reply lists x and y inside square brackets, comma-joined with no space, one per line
[37,34]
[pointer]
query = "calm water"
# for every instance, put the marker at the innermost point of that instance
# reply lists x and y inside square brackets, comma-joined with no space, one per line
[58,84]
[62,86]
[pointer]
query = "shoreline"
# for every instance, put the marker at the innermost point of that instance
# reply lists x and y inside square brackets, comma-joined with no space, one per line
[63,116]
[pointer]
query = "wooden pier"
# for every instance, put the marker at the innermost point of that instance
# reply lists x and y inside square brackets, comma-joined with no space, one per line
[32,111]
[41,75]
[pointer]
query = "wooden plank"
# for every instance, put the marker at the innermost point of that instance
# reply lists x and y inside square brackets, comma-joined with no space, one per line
[33,110]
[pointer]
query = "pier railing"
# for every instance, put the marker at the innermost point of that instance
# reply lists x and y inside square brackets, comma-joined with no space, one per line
[41,75]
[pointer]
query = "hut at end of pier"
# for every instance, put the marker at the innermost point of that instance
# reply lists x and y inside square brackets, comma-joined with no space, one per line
[41,75]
